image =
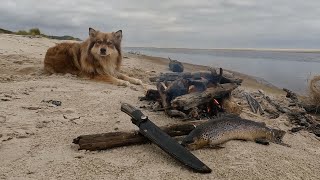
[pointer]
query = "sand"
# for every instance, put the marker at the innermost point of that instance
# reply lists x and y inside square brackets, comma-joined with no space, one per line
[36,136]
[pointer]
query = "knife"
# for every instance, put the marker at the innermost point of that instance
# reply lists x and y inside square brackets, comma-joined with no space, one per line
[163,140]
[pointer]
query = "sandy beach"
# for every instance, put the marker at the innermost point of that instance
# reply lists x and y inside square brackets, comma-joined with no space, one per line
[36,136]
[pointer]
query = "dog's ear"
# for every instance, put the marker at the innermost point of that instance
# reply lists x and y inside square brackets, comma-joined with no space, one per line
[118,35]
[92,32]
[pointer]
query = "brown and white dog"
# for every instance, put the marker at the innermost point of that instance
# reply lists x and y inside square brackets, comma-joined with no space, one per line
[99,57]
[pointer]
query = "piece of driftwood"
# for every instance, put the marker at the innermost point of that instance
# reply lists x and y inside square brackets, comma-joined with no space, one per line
[211,76]
[175,66]
[298,117]
[192,100]
[307,105]
[110,140]
[177,88]
[254,104]
[161,87]
[176,113]
[151,95]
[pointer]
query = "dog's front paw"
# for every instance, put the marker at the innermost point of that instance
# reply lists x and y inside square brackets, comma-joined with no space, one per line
[136,81]
[123,83]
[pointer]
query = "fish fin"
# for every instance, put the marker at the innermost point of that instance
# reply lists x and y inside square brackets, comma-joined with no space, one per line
[262,141]
[216,146]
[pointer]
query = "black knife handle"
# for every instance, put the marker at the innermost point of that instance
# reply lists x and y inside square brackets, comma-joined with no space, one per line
[136,115]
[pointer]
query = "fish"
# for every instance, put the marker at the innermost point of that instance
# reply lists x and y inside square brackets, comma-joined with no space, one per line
[216,132]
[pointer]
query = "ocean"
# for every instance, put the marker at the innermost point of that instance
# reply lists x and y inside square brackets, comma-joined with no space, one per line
[280,68]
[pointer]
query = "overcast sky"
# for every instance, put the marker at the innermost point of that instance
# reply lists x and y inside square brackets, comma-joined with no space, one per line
[175,23]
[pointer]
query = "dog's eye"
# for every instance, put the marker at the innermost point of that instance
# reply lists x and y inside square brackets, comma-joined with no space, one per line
[109,43]
[98,42]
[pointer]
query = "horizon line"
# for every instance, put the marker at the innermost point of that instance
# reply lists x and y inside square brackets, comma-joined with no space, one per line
[299,50]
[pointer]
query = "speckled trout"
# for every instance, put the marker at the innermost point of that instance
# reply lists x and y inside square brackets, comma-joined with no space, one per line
[216,132]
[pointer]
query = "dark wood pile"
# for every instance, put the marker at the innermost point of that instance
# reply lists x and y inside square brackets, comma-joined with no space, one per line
[193,95]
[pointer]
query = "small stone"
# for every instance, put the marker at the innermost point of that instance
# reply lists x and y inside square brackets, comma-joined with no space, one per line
[46,121]
[133,88]
[20,136]
[79,156]
[53,102]
[71,117]
[116,129]
[57,103]
[30,172]
[5,99]
[31,107]
[30,133]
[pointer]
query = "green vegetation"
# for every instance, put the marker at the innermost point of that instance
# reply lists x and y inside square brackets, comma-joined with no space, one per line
[63,38]
[34,31]
[5,31]
[22,32]
[37,32]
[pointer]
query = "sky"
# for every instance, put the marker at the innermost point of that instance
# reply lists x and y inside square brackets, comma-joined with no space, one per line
[175,23]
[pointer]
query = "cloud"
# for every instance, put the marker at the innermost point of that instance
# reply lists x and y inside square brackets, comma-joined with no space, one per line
[173,23]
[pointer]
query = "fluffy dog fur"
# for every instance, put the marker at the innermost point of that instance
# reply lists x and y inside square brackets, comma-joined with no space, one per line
[99,57]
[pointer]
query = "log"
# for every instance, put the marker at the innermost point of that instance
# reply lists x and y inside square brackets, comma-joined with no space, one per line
[211,76]
[177,88]
[176,113]
[192,100]
[110,140]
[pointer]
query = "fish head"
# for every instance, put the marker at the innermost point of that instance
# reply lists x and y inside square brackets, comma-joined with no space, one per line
[277,135]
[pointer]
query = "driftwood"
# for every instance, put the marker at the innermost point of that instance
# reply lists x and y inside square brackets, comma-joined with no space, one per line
[254,104]
[212,76]
[192,100]
[301,118]
[117,139]
[307,105]
[151,95]
[177,88]
[190,95]
[175,66]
